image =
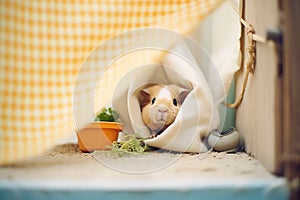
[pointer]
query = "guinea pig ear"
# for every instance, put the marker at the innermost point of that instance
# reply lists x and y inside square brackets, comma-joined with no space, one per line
[182,95]
[144,97]
[181,91]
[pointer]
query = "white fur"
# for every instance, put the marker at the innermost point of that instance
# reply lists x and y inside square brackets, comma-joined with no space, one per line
[164,93]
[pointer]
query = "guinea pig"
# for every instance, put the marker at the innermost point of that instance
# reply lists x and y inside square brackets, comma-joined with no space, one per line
[160,105]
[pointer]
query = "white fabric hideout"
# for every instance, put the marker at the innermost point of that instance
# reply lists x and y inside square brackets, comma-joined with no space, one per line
[206,74]
[196,117]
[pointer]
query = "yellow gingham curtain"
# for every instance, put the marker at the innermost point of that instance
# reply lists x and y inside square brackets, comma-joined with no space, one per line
[43,44]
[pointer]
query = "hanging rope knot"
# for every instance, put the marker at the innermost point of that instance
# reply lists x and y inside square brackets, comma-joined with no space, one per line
[249,64]
[250,49]
[252,38]
[251,59]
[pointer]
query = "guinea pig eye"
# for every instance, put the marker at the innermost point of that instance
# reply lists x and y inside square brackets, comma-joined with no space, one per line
[153,101]
[174,102]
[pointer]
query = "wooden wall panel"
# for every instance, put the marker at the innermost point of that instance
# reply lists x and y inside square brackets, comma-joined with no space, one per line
[291,93]
[258,117]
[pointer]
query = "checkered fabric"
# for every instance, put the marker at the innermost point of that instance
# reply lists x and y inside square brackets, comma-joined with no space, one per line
[42,46]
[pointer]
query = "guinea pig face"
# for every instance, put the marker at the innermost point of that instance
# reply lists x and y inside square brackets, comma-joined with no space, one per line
[160,106]
[163,107]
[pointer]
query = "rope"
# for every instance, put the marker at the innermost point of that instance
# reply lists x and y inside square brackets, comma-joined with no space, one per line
[251,50]
[250,61]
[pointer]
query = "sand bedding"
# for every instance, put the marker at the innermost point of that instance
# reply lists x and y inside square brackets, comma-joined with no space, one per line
[66,162]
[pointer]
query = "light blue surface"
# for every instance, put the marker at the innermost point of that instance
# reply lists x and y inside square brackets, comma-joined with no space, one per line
[259,190]
[226,113]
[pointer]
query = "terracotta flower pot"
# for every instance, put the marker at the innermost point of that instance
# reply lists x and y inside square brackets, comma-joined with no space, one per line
[98,135]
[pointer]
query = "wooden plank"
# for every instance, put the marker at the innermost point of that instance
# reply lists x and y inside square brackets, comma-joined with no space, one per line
[291,82]
[257,116]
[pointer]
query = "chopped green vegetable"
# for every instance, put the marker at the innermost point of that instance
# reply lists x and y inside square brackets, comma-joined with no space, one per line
[123,147]
[133,145]
[107,115]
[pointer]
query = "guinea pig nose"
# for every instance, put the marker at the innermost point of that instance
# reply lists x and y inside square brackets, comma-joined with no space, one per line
[162,110]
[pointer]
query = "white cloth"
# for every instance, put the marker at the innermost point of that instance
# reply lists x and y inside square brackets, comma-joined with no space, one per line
[197,116]
[189,66]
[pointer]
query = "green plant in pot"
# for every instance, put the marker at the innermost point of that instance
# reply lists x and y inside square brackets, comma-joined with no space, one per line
[101,133]
[108,115]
